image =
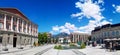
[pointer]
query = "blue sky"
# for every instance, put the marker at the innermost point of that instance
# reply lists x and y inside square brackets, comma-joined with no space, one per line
[67,15]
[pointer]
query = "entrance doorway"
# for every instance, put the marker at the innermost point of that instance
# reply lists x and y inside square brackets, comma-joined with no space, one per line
[14,41]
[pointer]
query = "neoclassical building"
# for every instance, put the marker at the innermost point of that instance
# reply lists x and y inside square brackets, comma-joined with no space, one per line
[76,37]
[16,29]
[107,31]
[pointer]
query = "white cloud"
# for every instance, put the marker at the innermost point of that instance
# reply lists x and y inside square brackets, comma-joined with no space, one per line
[55,28]
[117,8]
[91,10]
[67,28]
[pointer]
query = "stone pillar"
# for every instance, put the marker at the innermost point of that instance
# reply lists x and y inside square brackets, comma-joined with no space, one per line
[26,28]
[11,39]
[30,29]
[17,24]
[4,42]
[22,25]
[5,21]
[18,40]
[12,23]
[78,38]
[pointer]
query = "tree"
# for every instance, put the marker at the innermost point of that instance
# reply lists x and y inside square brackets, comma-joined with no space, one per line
[42,38]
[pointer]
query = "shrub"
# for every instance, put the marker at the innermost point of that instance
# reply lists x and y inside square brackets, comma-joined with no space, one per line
[83,46]
[55,47]
[72,44]
[34,44]
[58,47]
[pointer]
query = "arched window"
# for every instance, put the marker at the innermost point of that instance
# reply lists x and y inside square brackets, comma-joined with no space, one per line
[117,32]
[113,33]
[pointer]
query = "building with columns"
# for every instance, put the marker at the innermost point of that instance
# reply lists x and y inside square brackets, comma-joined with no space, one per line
[16,29]
[76,37]
[107,31]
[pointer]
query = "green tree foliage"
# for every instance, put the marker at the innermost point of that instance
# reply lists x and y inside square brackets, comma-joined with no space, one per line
[42,38]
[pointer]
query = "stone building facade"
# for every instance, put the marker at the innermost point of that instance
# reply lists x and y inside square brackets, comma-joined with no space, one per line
[107,31]
[76,37]
[16,29]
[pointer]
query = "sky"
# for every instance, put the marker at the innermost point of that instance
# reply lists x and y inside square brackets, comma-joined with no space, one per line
[67,16]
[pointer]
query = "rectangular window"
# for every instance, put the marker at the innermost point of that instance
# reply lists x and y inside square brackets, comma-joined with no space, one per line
[0,39]
[1,25]
[1,16]
[8,17]
[14,19]
[8,39]
[14,27]
[8,27]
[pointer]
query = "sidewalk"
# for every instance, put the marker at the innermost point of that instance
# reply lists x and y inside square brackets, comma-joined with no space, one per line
[16,49]
[30,51]
[97,51]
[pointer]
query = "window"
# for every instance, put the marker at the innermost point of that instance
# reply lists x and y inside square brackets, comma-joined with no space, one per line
[8,17]
[0,39]
[108,34]
[113,33]
[8,39]
[8,26]
[117,32]
[14,27]
[1,16]
[14,19]
[1,25]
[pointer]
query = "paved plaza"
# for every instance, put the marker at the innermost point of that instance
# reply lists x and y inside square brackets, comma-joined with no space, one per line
[49,50]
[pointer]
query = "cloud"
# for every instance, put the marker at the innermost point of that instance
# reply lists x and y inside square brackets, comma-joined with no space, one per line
[55,28]
[92,11]
[117,8]
[67,28]
[89,10]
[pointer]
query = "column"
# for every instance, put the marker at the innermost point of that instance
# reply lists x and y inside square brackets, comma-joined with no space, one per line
[22,25]
[17,24]
[4,21]
[4,42]
[12,23]
[78,38]
[30,28]
[26,27]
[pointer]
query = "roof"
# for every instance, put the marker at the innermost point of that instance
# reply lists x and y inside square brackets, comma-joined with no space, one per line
[105,26]
[15,11]
[115,25]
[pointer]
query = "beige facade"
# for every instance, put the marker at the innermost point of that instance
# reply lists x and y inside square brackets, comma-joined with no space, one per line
[76,37]
[106,31]
[16,29]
